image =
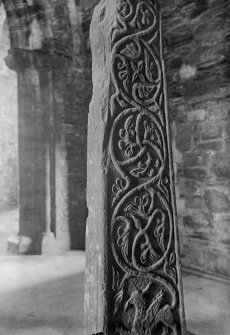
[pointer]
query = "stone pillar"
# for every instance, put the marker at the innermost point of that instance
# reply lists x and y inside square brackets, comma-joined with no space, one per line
[39,150]
[133,280]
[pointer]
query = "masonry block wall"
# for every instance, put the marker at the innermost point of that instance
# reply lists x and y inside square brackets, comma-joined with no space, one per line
[197,49]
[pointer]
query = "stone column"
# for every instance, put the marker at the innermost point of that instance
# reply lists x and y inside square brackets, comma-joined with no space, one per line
[133,280]
[38,124]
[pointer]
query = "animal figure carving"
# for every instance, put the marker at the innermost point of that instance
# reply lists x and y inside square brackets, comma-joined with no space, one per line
[147,319]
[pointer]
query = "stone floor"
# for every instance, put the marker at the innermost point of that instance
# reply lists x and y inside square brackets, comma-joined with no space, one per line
[207,305]
[43,295]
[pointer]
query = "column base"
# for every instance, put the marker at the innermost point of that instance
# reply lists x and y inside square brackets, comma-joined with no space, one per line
[49,244]
[19,245]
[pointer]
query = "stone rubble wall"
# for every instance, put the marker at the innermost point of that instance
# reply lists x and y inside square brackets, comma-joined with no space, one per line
[196,36]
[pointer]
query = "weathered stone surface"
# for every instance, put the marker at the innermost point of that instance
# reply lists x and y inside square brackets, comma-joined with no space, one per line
[132,242]
[184,137]
[49,244]
[217,201]
[196,115]
[197,221]
[211,130]
[195,173]
[195,202]
[193,159]
[221,165]
[19,245]
[210,145]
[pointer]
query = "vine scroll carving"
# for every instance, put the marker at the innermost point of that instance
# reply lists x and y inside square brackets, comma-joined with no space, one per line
[142,274]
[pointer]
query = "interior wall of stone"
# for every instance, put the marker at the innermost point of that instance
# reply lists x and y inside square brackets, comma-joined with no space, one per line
[196,38]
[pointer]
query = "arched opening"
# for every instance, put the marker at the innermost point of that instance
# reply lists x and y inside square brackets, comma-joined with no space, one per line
[9,176]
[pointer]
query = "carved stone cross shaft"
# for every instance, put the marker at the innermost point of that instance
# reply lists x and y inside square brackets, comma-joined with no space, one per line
[133,280]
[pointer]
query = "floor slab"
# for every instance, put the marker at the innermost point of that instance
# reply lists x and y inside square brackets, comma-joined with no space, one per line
[43,295]
[207,305]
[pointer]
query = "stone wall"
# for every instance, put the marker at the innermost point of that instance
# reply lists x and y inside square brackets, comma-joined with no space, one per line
[197,48]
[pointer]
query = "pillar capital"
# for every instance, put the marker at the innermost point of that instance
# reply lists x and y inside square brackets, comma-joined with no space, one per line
[21,59]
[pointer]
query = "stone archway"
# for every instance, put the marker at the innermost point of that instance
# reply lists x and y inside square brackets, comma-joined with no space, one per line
[47,54]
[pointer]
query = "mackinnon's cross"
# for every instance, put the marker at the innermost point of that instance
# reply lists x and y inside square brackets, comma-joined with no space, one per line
[133,280]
